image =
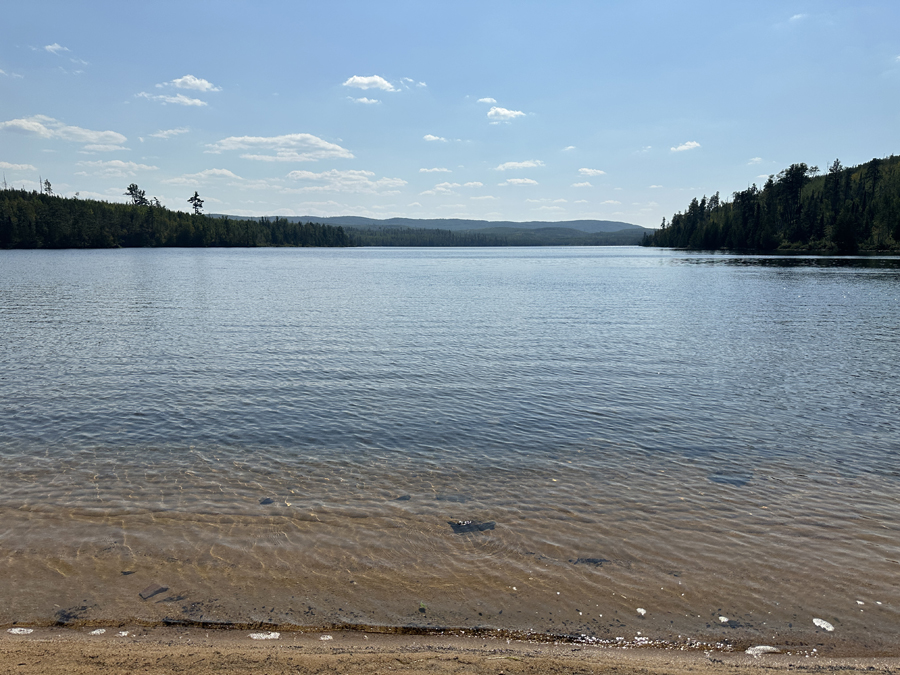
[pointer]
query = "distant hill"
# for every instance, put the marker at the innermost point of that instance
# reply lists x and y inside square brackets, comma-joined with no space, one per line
[458,224]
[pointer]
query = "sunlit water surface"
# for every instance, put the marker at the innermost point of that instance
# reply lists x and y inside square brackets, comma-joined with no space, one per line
[283,436]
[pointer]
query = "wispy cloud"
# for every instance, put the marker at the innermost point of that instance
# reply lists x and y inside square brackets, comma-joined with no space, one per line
[287,148]
[755,160]
[568,148]
[102,147]
[527,164]
[431,137]
[49,128]
[437,169]
[655,187]
[591,172]
[518,181]
[611,202]
[17,167]
[690,145]
[191,82]
[798,17]
[344,181]
[584,184]
[56,48]
[178,99]
[115,167]
[473,184]
[496,114]
[369,82]
[487,99]
[484,197]
[366,101]
[201,177]
[169,133]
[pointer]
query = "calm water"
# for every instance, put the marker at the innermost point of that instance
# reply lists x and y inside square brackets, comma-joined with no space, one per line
[283,435]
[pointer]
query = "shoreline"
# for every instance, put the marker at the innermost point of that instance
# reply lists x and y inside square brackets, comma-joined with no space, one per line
[169,649]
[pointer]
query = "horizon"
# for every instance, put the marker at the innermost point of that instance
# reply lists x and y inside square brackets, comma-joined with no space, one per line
[507,112]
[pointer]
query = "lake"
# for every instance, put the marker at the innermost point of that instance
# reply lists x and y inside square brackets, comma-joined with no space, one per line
[674,448]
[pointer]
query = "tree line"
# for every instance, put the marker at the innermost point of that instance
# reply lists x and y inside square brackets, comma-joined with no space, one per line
[30,219]
[845,210]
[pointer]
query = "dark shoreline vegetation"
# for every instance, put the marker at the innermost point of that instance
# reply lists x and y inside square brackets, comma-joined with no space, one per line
[30,220]
[845,211]
[37,220]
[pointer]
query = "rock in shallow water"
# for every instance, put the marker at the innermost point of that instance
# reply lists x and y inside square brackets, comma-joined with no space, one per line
[463,526]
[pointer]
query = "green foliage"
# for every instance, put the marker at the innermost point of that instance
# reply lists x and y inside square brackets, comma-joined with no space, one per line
[35,220]
[844,211]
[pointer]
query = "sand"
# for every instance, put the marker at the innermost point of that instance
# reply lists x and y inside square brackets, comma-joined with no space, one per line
[198,651]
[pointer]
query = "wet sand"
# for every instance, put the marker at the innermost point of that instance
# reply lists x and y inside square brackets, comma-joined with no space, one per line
[169,650]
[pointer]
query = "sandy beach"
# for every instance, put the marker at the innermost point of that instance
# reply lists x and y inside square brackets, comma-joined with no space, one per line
[170,650]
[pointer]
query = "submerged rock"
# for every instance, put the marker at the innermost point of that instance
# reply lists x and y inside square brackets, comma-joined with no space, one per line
[265,501]
[151,590]
[462,526]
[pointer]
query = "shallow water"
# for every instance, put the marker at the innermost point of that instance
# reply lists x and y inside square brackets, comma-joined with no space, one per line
[281,436]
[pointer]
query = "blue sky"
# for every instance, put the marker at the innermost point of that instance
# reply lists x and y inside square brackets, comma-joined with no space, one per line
[489,110]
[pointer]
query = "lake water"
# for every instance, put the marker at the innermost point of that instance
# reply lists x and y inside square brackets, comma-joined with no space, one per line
[283,436]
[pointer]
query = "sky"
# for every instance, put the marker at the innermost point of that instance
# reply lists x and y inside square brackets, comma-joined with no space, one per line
[487,110]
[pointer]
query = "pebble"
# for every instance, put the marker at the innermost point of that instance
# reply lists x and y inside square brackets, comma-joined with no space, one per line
[99,631]
[641,611]
[268,635]
[326,637]
[20,631]
[723,619]
[821,623]
[761,649]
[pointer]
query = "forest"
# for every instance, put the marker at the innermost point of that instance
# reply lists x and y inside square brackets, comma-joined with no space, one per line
[30,219]
[845,211]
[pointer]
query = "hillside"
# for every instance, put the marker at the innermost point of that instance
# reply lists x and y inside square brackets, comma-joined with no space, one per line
[458,224]
[846,210]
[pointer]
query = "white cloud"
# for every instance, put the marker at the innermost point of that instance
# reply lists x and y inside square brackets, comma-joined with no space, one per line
[17,167]
[178,99]
[655,187]
[549,208]
[415,204]
[201,177]
[473,184]
[366,101]
[115,167]
[591,172]
[430,137]
[798,17]
[487,100]
[369,82]
[690,145]
[568,147]
[287,148]
[484,197]
[47,127]
[496,114]
[56,48]
[2,72]
[421,84]
[527,164]
[439,169]
[755,160]
[191,82]
[344,181]
[518,181]
[584,184]
[168,133]
[610,201]
[103,147]
[582,201]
